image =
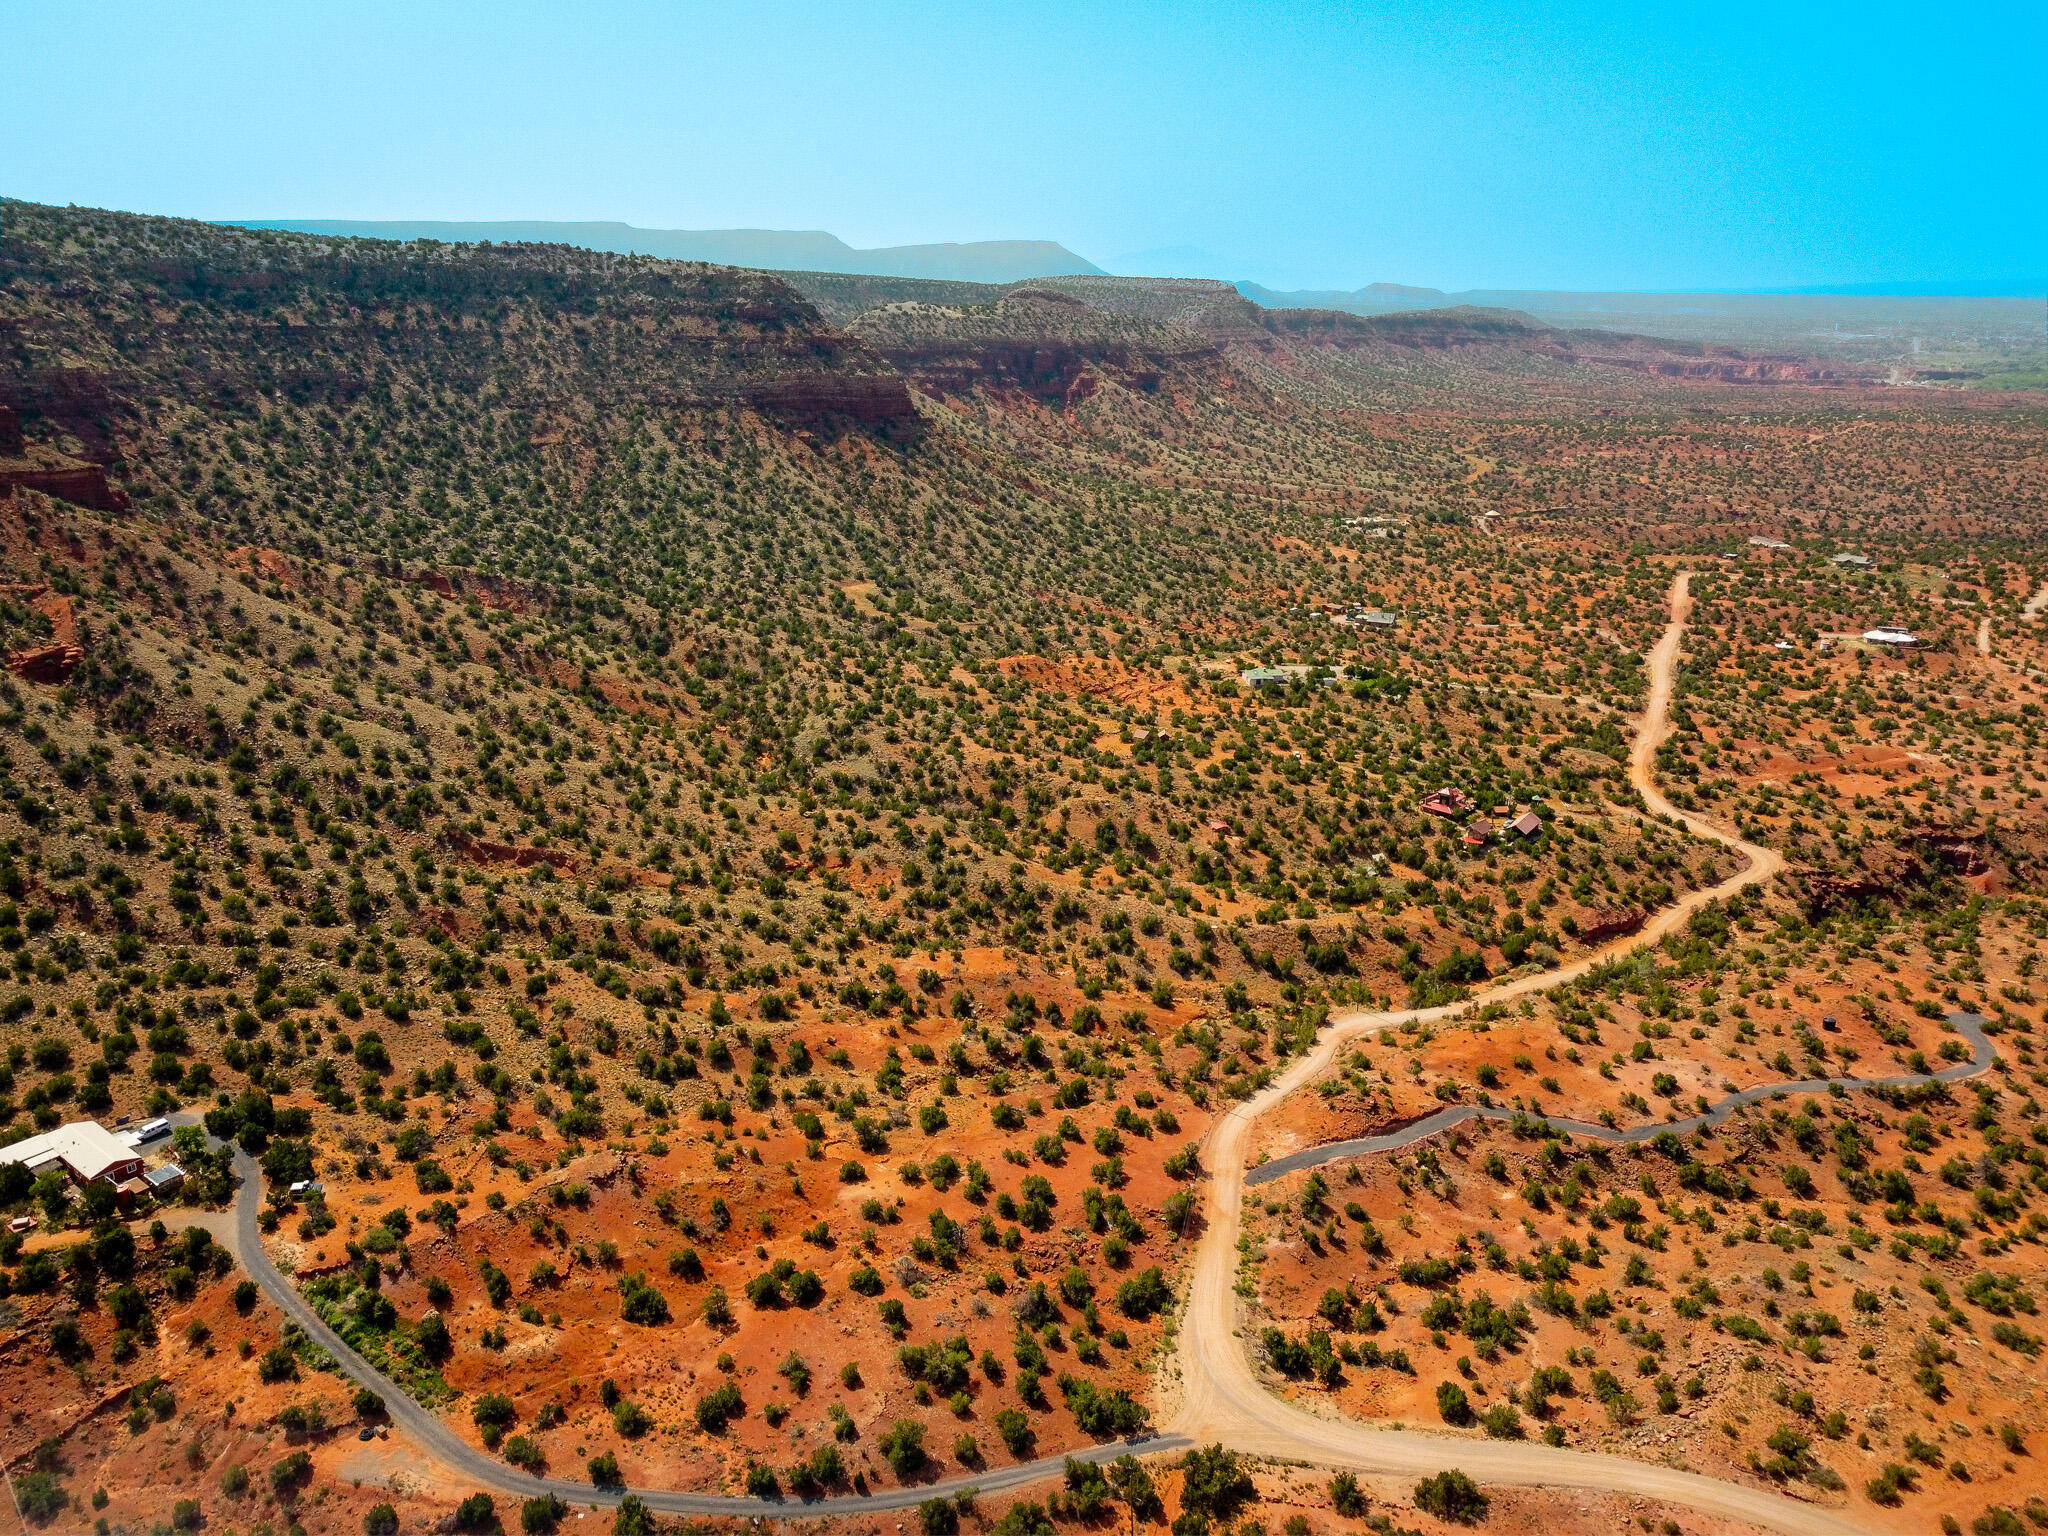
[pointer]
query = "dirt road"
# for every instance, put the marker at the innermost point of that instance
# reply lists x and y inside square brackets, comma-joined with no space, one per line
[1219,1394]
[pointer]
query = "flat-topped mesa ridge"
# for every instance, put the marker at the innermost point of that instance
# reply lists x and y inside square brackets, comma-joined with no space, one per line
[246,314]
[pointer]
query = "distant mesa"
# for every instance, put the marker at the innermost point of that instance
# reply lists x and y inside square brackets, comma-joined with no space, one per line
[775,250]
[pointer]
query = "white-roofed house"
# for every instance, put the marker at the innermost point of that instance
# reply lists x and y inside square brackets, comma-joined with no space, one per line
[85,1149]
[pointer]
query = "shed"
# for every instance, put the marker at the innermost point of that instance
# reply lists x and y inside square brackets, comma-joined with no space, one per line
[167,1180]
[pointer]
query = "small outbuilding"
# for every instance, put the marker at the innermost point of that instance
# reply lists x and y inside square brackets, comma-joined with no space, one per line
[165,1181]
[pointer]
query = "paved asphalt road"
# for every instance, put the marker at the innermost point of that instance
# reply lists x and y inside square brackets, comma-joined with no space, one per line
[1969,1025]
[441,1442]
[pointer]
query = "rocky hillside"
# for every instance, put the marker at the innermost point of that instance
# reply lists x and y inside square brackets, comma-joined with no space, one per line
[107,309]
[1040,341]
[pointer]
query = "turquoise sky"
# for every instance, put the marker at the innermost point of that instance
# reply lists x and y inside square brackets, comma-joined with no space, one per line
[1569,146]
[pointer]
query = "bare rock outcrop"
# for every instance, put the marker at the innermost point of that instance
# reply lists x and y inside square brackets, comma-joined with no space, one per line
[56,661]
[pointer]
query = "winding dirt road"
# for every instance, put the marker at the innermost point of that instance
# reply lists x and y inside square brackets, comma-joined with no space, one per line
[1220,1395]
[1217,1393]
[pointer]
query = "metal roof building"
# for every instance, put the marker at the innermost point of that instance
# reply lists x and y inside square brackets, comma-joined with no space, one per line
[85,1149]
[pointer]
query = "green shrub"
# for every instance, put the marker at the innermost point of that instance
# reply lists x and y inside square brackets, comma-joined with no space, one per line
[1015,1430]
[640,1302]
[539,1517]
[1346,1497]
[1502,1422]
[1213,1484]
[1451,1495]
[278,1364]
[493,1410]
[903,1445]
[1451,1403]
[718,1407]
[40,1497]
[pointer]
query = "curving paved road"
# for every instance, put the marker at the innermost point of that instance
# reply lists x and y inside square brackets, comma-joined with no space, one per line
[1220,1397]
[1969,1025]
[441,1442]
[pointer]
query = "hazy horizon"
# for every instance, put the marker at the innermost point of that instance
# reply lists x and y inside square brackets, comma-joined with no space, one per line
[1154,263]
[1590,148]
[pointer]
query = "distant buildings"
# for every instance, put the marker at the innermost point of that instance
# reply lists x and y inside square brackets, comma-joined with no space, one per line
[1850,561]
[1765,541]
[1886,634]
[1284,675]
[1378,618]
[1449,803]
[1528,824]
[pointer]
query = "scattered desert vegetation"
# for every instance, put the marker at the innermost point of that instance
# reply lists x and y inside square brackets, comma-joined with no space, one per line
[720,862]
